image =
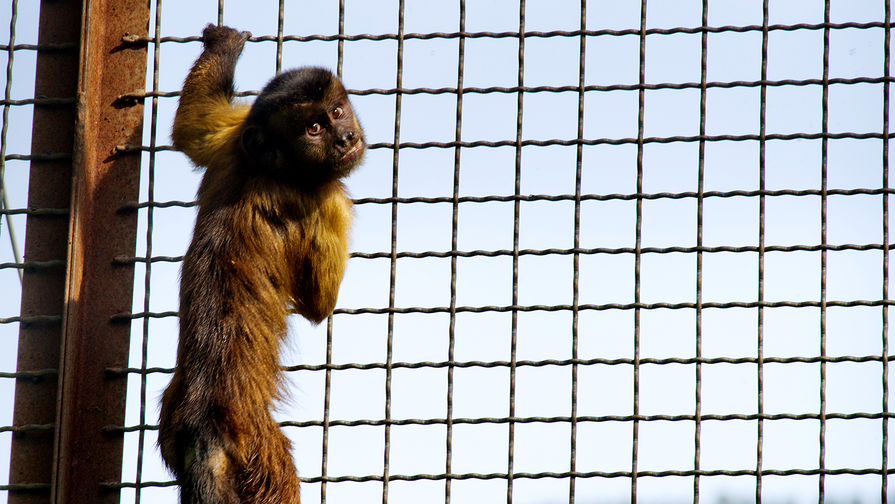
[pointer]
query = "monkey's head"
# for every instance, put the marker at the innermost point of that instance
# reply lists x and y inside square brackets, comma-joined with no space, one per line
[302,129]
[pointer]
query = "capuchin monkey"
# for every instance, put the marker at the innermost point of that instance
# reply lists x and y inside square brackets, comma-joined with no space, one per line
[270,239]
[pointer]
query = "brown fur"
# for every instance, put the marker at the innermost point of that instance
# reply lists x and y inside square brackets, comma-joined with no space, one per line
[270,238]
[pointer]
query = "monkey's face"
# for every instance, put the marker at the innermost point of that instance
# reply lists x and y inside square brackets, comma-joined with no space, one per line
[327,134]
[310,136]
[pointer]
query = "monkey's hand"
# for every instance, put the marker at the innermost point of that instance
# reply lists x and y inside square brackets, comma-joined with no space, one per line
[223,39]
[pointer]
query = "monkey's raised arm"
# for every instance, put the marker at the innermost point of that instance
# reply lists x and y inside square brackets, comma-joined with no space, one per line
[206,118]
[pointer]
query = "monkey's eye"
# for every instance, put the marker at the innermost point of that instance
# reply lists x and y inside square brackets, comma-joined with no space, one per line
[315,129]
[337,112]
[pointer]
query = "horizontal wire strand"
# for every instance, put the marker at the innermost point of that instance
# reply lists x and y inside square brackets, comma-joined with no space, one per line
[549,362]
[555,475]
[528,34]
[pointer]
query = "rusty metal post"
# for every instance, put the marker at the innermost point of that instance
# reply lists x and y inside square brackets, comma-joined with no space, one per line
[43,289]
[87,456]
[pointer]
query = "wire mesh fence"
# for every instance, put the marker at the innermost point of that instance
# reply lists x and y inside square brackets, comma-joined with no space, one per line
[603,251]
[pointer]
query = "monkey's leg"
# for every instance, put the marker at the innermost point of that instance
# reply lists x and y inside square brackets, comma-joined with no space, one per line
[208,476]
[269,475]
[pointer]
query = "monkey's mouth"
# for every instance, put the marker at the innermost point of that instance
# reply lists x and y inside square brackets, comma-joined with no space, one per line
[354,152]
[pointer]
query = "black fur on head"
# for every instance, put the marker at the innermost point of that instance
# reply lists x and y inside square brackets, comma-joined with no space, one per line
[301,85]
[302,129]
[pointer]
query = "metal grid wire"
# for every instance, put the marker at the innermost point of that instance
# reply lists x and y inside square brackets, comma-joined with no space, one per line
[585,372]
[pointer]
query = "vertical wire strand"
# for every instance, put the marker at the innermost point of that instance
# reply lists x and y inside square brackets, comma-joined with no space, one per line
[341,43]
[638,235]
[762,147]
[280,21]
[455,216]
[150,198]
[4,201]
[700,207]
[220,12]
[821,479]
[393,259]
[514,324]
[327,394]
[884,485]
[327,387]
[576,260]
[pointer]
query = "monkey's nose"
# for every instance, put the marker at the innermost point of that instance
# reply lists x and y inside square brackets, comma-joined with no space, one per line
[347,137]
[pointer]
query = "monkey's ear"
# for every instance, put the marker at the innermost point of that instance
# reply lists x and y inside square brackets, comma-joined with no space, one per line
[256,147]
[252,141]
